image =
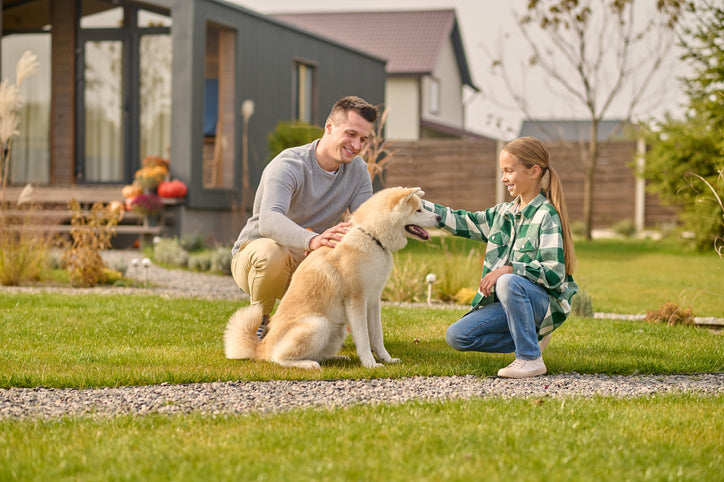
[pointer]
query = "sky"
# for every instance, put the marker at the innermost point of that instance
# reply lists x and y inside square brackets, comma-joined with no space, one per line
[487,26]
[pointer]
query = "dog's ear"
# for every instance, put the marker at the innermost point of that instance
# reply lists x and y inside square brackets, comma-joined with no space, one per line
[414,191]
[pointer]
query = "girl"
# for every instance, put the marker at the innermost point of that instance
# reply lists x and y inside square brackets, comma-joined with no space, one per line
[526,286]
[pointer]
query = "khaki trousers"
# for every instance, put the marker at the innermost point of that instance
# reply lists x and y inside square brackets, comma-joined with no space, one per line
[263,269]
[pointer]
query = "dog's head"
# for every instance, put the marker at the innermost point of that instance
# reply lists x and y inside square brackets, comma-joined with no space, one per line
[395,214]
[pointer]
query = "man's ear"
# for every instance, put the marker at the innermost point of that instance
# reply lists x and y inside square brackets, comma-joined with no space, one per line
[328,126]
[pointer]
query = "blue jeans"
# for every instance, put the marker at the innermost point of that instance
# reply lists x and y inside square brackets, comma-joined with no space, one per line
[509,325]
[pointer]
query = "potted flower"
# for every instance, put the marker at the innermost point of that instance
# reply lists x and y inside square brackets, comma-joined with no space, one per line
[147,204]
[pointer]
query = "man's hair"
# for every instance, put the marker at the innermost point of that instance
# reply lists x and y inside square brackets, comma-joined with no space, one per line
[356,104]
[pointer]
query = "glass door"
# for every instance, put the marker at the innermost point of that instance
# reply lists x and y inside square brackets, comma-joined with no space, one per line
[104,113]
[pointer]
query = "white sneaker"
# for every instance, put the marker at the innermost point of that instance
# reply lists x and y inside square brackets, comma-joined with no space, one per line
[544,342]
[523,368]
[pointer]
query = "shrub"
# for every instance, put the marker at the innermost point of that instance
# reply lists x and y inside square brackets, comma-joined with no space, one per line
[192,242]
[221,260]
[625,228]
[23,254]
[407,280]
[200,262]
[291,134]
[465,296]
[91,233]
[671,314]
[582,304]
[168,252]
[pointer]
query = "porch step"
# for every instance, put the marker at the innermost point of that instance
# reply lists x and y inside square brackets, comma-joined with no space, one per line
[49,212]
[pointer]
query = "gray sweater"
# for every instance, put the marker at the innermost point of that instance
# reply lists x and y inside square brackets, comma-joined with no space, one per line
[295,194]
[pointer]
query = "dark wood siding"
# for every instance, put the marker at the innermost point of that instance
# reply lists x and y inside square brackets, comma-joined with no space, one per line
[62,148]
[463,174]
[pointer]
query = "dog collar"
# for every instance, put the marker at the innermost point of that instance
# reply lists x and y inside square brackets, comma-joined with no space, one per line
[379,243]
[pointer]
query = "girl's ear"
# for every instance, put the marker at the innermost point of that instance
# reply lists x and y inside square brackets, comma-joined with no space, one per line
[536,171]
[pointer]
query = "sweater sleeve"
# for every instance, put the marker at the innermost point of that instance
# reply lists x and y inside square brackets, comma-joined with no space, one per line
[280,183]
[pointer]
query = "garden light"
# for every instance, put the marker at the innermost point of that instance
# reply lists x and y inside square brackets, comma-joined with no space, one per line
[430,278]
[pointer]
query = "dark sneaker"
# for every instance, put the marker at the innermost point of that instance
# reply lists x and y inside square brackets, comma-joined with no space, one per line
[263,328]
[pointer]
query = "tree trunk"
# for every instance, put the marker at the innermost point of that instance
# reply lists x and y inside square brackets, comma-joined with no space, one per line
[589,182]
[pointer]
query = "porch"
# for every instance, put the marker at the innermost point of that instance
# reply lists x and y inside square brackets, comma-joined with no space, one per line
[48,210]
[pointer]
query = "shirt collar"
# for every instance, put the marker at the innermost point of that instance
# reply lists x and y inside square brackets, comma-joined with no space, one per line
[532,206]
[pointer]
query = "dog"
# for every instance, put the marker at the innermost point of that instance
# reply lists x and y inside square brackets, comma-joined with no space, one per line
[336,287]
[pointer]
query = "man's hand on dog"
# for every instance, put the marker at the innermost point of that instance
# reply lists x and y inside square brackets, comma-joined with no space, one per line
[330,237]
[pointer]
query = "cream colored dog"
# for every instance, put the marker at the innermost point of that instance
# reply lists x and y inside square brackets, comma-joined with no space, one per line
[335,287]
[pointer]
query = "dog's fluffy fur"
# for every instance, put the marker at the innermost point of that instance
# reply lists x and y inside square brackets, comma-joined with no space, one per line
[336,287]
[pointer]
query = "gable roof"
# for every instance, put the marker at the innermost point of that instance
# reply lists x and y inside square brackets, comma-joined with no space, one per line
[576,130]
[411,41]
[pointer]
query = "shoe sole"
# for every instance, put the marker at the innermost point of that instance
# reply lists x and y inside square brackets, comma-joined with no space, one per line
[534,373]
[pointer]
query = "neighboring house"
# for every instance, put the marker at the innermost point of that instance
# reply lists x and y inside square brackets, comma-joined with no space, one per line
[120,80]
[577,130]
[427,71]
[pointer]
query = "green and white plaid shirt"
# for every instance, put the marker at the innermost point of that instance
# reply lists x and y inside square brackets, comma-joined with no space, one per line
[531,241]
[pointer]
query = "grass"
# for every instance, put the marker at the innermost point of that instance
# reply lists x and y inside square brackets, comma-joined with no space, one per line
[622,276]
[56,340]
[653,438]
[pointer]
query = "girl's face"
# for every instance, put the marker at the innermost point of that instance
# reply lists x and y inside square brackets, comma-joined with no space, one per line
[518,179]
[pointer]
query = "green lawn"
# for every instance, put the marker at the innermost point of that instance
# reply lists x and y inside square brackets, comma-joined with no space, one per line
[622,276]
[58,340]
[675,437]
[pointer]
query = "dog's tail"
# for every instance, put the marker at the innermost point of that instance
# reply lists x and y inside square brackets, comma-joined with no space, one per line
[240,339]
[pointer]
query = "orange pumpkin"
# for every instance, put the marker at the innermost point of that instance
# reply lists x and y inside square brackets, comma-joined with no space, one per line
[172,189]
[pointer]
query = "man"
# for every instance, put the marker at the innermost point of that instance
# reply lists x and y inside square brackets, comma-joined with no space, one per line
[303,193]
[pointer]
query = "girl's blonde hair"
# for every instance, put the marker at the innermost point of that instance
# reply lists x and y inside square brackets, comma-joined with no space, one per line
[530,151]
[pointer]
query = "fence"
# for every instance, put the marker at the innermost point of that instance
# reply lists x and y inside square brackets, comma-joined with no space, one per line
[464,174]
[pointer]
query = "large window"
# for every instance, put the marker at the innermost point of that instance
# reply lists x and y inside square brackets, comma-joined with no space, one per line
[155,105]
[124,106]
[30,154]
[305,98]
[219,107]
[104,111]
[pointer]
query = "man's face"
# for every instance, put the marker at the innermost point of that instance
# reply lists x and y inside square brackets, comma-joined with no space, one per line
[348,134]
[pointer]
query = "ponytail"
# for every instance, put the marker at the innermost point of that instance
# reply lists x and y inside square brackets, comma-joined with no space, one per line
[554,193]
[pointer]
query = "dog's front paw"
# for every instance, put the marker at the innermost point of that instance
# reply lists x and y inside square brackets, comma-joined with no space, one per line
[372,364]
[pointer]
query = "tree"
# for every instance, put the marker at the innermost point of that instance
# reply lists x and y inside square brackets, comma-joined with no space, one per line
[593,53]
[685,164]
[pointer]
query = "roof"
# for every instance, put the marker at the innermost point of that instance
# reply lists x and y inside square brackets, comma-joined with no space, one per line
[411,41]
[575,130]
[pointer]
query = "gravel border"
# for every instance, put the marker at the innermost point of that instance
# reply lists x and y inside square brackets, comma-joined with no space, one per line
[240,397]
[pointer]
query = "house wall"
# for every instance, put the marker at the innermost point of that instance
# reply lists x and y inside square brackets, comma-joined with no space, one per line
[265,54]
[62,109]
[402,97]
[446,71]
[265,51]
[463,174]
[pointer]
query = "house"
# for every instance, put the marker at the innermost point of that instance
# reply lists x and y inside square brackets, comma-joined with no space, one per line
[427,70]
[120,80]
[577,130]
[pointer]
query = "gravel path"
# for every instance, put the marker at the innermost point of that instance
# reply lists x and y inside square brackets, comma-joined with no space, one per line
[274,396]
[282,395]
